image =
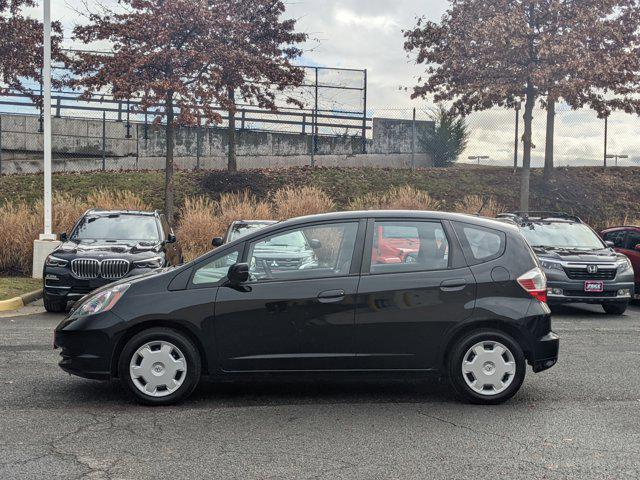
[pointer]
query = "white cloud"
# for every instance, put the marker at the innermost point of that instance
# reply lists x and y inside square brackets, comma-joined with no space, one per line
[377,22]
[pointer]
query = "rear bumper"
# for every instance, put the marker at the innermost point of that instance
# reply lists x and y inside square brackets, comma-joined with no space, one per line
[545,352]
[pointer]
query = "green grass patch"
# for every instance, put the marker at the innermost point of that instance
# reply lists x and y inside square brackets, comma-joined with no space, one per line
[14,286]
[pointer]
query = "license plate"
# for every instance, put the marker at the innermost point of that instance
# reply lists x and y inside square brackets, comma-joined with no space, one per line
[592,286]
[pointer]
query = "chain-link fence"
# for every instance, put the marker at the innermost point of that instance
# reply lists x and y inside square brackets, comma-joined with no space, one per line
[104,134]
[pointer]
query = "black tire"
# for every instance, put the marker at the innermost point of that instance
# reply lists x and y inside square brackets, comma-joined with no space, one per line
[615,308]
[54,306]
[186,347]
[456,357]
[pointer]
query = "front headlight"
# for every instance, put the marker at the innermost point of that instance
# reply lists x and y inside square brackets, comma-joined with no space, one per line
[624,264]
[550,264]
[100,302]
[153,262]
[52,261]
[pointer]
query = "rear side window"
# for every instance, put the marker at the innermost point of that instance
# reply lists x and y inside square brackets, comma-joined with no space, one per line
[633,239]
[480,244]
[408,246]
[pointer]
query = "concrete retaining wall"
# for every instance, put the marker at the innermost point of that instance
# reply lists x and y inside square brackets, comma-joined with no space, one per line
[78,145]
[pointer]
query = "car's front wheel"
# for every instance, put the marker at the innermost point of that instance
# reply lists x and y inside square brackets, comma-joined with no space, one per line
[615,308]
[160,366]
[486,367]
[54,306]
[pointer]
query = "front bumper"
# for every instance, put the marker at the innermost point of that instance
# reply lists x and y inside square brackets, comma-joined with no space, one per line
[61,284]
[87,345]
[572,291]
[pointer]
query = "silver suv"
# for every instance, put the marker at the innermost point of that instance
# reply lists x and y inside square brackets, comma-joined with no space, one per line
[580,266]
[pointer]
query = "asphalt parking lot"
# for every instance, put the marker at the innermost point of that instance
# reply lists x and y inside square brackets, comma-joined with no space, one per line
[581,419]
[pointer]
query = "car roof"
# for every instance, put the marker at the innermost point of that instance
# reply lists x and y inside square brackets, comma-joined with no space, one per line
[390,214]
[121,212]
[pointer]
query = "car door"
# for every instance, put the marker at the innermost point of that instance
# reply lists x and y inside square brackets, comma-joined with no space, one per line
[628,247]
[297,311]
[404,308]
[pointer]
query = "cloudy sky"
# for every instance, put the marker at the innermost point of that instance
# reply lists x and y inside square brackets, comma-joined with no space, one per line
[367,34]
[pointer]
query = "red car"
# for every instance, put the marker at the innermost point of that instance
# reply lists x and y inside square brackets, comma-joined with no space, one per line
[626,240]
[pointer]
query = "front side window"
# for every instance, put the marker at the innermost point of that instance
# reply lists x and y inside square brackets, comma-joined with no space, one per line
[117,227]
[215,269]
[306,252]
[239,230]
[616,237]
[406,246]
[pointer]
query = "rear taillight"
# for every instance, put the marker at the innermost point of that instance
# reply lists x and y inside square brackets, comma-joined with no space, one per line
[534,282]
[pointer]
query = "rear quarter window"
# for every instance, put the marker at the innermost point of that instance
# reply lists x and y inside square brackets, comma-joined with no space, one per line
[480,244]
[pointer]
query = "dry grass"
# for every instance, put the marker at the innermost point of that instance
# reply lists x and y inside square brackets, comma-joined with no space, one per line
[397,198]
[121,200]
[487,206]
[198,225]
[291,202]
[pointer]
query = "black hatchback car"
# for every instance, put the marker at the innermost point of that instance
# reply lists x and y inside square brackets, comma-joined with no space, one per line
[103,247]
[471,307]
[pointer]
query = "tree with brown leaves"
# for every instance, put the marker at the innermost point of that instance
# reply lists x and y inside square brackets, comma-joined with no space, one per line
[21,47]
[487,53]
[190,56]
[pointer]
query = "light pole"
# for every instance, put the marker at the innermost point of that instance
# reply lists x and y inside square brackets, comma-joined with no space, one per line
[46,243]
[616,157]
[478,158]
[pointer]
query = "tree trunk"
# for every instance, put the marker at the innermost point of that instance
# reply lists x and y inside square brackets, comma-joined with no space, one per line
[526,156]
[170,140]
[548,149]
[232,165]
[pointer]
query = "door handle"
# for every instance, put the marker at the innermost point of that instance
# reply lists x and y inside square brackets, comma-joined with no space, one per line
[331,296]
[453,285]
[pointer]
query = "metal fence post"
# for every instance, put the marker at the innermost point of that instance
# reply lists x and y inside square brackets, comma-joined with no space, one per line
[198,140]
[516,142]
[104,140]
[314,139]
[58,107]
[413,140]
[128,125]
[119,111]
[0,144]
[606,134]
[304,123]
[364,115]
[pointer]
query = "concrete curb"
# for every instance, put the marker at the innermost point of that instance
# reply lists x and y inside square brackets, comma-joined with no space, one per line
[19,302]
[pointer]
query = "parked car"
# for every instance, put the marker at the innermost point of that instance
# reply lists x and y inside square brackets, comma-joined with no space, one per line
[105,246]
[626,240]
[395,245]
[474,311]
[242,228]
[579,266]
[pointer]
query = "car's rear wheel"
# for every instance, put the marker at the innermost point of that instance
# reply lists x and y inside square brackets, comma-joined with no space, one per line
[615,308]
[53,306]
[486,367]
[160,366]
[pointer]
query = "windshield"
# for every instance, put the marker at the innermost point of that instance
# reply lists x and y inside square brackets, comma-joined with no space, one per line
[117,227]
[293,240]
[561,235]
[243,229]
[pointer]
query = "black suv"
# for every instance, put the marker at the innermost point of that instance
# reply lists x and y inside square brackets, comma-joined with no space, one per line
[580,266]
[471,307]
[105,246]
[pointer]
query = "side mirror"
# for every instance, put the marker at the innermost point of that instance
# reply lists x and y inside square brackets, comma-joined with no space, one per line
[238,273]
[217,242]
[172,238]
[609,244]
[315,244]
[64,237]
[637,247]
